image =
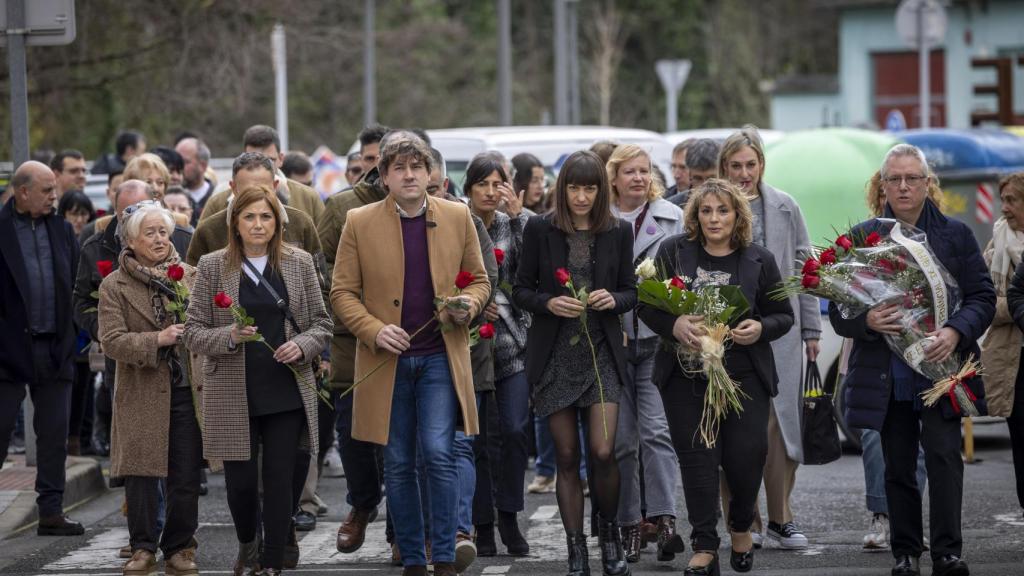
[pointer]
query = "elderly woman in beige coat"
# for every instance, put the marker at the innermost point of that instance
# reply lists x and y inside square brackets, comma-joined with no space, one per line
[155,431]
[259,386]
[1001,346]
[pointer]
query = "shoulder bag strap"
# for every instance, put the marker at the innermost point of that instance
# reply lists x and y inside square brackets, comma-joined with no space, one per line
[281,304]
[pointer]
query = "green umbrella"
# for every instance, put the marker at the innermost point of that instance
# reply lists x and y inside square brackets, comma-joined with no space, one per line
[825,171]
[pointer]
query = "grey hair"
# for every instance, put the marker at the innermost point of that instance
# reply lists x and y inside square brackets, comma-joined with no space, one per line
[904,150]
[439,162]
[129,229]
[702,154]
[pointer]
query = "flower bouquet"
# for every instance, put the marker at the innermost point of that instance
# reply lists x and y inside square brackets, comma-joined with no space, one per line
[720,306]
[893,265]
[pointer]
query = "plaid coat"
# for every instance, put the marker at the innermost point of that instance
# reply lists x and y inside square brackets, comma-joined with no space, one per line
[207,332]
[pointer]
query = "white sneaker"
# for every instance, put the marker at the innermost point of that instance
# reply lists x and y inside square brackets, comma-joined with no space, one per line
[758,539]
[541,485]
[332,464]
[788,535]
[877,537]
[465,552]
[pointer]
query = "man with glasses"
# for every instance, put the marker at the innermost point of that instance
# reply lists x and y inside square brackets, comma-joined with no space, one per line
[883,393]
[354,168]
[69,167]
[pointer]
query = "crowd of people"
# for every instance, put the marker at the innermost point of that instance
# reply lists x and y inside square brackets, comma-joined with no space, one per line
[433,336]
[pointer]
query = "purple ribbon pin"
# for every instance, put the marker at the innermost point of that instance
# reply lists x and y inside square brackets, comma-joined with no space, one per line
[651,229]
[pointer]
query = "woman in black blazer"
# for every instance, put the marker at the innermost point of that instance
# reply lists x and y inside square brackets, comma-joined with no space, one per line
[716,249]
[582,236]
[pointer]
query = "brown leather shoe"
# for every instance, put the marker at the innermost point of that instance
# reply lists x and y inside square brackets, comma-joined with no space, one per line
[142,563]
[182,563]
[353,530]
[417,571]
[445,569]
[59,525]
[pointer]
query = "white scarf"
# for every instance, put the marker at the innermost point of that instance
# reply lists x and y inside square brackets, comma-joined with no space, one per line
[1007,246]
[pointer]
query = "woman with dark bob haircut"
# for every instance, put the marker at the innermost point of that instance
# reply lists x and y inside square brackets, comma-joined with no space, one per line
[582,237]
[76,207]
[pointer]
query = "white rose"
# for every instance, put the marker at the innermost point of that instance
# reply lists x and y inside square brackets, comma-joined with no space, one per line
[646,269]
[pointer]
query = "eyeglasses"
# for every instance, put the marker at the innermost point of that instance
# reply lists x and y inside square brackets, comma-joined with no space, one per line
[140,205]
[912,180]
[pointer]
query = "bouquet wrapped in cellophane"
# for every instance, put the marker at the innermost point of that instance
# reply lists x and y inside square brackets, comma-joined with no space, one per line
[894,265]
[720,306]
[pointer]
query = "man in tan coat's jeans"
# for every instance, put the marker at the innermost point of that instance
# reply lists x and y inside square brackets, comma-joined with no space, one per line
[408,278]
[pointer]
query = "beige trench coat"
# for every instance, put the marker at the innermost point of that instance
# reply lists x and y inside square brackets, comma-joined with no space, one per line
[1000,352]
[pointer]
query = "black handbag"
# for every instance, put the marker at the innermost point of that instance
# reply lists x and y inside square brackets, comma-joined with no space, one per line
[819,432]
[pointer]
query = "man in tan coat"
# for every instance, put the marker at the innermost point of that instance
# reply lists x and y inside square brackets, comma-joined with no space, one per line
[408,278]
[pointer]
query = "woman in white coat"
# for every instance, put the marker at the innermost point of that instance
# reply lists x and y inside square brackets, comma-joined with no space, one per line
[778,226]
[637,199]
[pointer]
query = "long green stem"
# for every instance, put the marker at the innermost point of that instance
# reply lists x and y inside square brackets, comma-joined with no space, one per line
[381,365]
[600,386]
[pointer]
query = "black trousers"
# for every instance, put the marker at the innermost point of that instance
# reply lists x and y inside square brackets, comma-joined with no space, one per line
[184,461]
[80,416]
[740,451]
[903,429]
[1016,425]
[51,397]
[279,435]
[363,461]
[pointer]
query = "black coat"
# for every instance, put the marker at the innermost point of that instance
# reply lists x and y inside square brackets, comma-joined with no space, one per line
[759,274]
[868,381]
[545,249]
[15,341]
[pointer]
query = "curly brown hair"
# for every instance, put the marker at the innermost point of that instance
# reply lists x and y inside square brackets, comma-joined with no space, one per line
[743,228]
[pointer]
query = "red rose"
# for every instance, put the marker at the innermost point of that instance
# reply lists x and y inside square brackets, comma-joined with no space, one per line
[929,323]
[175,272]
[487,331]
[873,239]
[222,300]
[499,255]
[105,267]
[100,212]
[827,257]
[562,276]
[901,262]
[810,267]
[844,242]
[810,281]
[887,265]
[463,279]
[677,282]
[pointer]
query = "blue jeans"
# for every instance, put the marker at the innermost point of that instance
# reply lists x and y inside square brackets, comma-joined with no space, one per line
[874,472]
[423,414]
[545,463]
[465,467]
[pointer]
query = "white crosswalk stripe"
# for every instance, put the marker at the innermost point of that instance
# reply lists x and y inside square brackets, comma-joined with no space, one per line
[99,552]
[547,537]
[319,546]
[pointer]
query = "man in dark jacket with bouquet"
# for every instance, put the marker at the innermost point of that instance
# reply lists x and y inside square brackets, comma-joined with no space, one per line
[883,392]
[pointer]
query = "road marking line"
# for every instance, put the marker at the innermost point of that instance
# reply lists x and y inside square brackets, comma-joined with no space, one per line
[320,545]
[812,550]
[99,552]
[495,569]
[1011,519]
[545,513]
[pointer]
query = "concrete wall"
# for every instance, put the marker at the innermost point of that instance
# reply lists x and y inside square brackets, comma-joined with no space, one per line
[996,31]
[804,111]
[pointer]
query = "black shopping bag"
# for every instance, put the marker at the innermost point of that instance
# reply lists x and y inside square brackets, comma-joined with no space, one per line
[819,432]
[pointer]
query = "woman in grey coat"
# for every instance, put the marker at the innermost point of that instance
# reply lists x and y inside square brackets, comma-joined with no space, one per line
[637,199]
[778,226]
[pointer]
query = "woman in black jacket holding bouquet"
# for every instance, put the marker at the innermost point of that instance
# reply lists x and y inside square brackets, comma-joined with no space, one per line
[716,249]
[581,239]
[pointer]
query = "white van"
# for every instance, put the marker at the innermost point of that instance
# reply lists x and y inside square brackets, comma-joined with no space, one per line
[550,144]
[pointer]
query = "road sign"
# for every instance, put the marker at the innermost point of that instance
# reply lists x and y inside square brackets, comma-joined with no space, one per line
[895,121]
[47,22]
[673,75]
[932,26]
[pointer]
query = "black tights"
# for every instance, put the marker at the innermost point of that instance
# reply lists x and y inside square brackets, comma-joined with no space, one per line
[279,434]
[604,476]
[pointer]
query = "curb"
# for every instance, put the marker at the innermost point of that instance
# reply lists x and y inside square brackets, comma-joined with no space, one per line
[83,482]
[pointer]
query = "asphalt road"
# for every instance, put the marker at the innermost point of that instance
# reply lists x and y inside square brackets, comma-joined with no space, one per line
[828,501]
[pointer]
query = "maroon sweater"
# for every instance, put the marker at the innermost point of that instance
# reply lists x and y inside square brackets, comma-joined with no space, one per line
[418,292]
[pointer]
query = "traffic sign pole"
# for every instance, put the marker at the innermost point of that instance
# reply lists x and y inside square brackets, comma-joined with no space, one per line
[673,75]
[924,70]
[19,80]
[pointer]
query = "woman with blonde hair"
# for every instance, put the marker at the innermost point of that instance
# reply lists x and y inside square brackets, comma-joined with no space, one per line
[258,393]
[717,250]
[779,226]
[637,200]
[150,169]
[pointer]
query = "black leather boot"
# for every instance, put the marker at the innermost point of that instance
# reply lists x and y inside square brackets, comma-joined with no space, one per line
[508,528]
[631,542]
[579,564]
[669,543]
[613,558]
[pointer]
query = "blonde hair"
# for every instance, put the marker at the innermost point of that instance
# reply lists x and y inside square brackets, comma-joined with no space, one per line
[624,153]
[139,165]
[242,200]
[746,136]
[743,228]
